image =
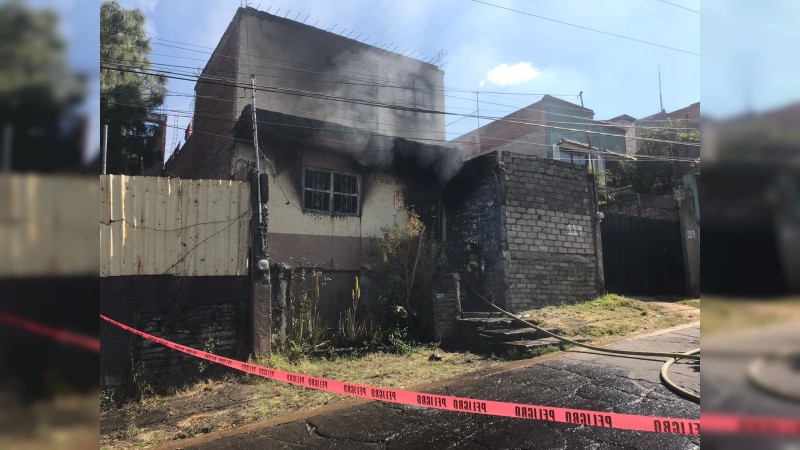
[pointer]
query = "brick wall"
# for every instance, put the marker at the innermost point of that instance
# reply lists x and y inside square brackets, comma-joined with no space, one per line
[548,237]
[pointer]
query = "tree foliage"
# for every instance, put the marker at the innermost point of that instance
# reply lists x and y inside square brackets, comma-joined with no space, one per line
[128,88]
[655,171]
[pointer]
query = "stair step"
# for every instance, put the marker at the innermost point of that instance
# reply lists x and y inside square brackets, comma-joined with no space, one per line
[490,323]
[481,315]
[513,334]
[529,344]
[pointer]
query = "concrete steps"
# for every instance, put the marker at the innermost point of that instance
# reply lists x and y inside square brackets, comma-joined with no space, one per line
[490,332]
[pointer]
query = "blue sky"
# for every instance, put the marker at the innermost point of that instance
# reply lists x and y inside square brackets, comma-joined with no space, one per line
[489,49]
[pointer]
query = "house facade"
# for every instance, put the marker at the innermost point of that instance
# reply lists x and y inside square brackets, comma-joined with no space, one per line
[345,134]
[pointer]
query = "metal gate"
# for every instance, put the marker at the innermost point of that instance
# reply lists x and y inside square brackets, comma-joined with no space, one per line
[642,256]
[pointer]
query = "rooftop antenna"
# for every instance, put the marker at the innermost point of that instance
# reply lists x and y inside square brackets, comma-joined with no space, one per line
[315,23]
[287,13]
[307,16]
[295,17]
[660,100]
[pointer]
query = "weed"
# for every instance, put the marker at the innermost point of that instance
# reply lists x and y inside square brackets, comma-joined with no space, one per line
[402,343]
[306,331]
[210,346]
[360,333]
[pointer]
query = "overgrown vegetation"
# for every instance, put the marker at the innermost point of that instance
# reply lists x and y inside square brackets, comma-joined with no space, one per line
[407,261]
[361,332]
[306,331]
[656,177]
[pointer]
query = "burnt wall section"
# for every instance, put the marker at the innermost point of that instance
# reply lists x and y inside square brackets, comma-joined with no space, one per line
[199,312]
[548,233]
[473,211]
[445,307]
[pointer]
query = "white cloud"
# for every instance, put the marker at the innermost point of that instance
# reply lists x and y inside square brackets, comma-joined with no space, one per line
[505,75]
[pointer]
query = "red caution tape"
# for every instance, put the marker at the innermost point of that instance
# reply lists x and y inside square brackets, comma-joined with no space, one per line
[712,422]
[446,402]
[62,336]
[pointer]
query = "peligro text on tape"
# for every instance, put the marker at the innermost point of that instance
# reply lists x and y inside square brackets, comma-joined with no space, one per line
[62,336]
[720,423]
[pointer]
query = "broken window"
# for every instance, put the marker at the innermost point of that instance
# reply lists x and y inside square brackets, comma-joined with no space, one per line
[330,192]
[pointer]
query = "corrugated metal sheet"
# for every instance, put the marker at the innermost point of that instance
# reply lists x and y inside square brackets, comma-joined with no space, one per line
[158,226]
[48,225]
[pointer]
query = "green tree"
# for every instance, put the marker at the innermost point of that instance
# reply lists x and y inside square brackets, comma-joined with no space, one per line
[129,90]
[656,170]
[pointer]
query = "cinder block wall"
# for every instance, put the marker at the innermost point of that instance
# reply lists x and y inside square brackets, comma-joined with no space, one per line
[548,233]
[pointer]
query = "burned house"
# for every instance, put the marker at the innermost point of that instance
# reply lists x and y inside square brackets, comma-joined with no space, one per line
[345,133]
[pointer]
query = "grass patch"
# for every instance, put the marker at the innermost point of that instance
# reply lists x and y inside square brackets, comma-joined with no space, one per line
[694,303]
[608,316]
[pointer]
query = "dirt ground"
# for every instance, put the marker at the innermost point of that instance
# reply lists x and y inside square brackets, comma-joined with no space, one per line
[234,400]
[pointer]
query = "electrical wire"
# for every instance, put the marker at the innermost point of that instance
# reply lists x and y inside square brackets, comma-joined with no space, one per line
[319,95]
[679,6]
[587,28]
[606,156]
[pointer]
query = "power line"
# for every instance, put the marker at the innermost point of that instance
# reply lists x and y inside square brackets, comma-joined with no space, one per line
[595,123]
[375,149]
[679,6]
[587,28]
[303,93]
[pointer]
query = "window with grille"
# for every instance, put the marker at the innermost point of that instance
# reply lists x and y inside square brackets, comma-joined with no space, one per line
[330,192]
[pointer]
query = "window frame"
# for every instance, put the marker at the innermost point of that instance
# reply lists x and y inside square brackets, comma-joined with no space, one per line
[331,192]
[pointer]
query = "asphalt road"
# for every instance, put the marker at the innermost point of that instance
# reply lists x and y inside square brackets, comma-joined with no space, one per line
[581,380]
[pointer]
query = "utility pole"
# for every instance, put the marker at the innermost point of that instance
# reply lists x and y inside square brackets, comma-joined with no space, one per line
[255,144]
[597,215]
[588,135]
[260,320]
[660,99]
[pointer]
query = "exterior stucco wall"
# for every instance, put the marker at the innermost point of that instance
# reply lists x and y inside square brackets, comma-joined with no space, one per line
[320,240]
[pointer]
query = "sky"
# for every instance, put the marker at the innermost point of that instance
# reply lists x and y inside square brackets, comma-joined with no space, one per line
[744,67]
[488,49]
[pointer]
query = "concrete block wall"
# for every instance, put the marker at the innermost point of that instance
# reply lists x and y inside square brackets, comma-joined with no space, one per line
[548,233]
[210,328]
